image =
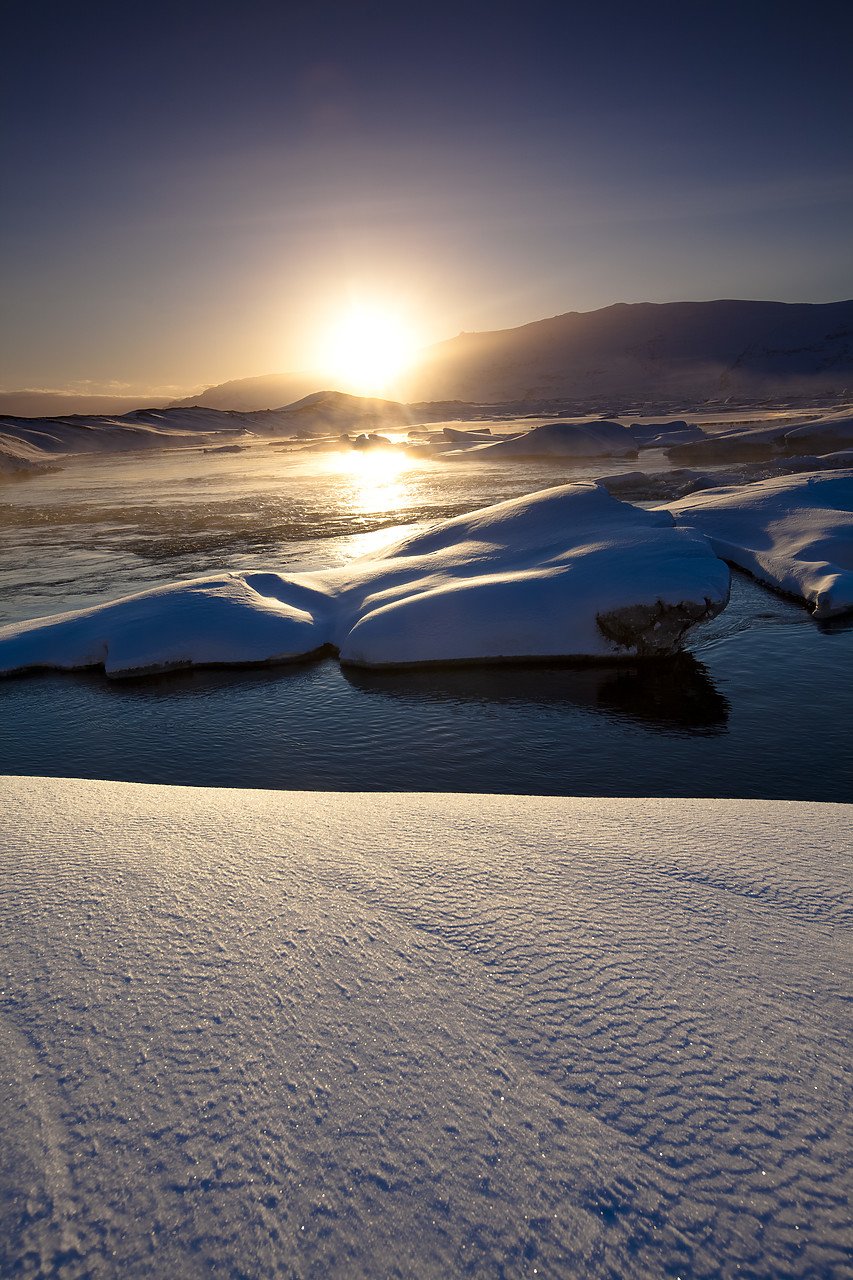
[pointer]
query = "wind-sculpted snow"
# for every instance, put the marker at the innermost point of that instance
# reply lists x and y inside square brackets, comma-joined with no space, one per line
[569,572]
[273,1034]
[793,532]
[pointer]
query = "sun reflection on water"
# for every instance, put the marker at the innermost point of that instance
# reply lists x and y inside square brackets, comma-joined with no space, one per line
[378,478]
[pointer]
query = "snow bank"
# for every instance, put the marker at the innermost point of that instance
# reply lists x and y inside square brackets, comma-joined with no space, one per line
[272,1033]
[793,532]
[569,572]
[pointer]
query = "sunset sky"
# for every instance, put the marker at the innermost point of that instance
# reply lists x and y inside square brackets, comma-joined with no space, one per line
[198,191]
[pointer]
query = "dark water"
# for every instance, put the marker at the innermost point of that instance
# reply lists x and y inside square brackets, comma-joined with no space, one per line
[760,706]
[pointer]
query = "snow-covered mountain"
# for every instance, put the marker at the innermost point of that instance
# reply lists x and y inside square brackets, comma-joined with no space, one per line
[269,391]
[643,352]
[649,350]
[646,351]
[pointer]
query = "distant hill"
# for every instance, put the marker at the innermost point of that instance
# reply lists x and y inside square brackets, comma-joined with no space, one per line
[644,351]
[270,391]
[29,445]
[640,352]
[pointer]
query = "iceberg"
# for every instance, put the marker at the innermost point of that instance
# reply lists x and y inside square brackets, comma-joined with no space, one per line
[570,572]
[794,533]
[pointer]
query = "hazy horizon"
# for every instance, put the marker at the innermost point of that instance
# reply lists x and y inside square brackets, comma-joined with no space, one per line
[46,401]
[201,194]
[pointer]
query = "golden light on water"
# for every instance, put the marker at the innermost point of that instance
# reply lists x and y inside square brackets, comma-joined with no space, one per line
[366,347]
[378,478]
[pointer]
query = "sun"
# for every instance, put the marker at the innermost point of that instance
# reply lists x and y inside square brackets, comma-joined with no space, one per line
[365,348]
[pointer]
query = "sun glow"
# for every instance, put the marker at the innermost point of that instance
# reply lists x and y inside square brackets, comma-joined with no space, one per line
[366,347]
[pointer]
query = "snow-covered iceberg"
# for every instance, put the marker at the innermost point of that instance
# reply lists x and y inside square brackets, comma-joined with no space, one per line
[568,572]
[793,532]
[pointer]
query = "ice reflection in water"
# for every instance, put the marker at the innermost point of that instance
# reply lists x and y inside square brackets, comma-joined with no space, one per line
[673,695]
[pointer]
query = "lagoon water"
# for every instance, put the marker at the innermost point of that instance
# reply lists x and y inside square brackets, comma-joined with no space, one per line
[759,706]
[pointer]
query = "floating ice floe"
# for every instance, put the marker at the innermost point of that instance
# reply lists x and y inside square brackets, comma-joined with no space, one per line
[657,435]
[793,532]
[561,440]
[457,436]
[761,442]
[831,432]
[569,572]
[667,486]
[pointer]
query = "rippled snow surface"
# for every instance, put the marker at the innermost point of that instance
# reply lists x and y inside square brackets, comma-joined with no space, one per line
[760,707]
[276,1034]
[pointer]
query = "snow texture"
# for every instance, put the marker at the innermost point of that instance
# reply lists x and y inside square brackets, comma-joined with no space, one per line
[793,532]
[271,1034]
[568,572]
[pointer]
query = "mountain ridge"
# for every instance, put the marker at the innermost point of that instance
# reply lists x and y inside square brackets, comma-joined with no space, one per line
[726,348]
[640,352]
[722,348]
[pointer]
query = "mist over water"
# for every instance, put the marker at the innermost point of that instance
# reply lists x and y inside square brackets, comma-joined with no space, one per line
[756,707]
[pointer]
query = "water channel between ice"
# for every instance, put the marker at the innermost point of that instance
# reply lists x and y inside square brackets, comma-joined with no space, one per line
[758,706]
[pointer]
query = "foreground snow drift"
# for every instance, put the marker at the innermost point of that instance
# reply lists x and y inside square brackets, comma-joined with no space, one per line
[269,1033]
[567,572]
[793,532]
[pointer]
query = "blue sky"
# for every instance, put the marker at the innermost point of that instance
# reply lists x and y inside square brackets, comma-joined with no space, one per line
[196,189]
